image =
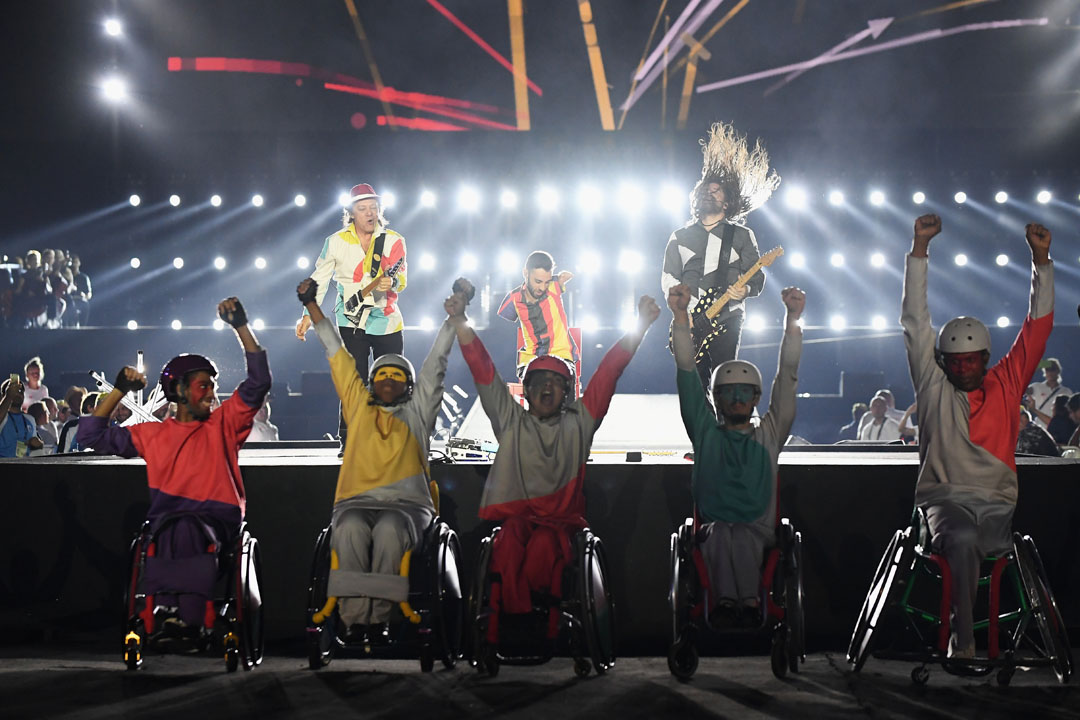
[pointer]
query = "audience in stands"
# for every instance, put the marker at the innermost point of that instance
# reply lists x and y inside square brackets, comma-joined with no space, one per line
[909,431]
[1074,414]
[34,389]
[262,430]
[18,434]
[1040,396]
[45,430]
[1034,440]
[851,430]
[79,294]
[880,427]
[1061,425]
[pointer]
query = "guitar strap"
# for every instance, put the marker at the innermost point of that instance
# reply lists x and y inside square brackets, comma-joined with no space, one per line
[376,254]
[727,237]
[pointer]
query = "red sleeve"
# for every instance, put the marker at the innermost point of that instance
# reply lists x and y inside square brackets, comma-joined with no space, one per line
[602,384]
[479,362]
[1019,364]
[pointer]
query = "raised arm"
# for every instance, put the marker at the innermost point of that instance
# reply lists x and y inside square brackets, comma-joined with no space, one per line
[351,388]
[321,276]
[1019,363]
[693,406]
[915,312]
[252,391]
[781,413]
[428,391]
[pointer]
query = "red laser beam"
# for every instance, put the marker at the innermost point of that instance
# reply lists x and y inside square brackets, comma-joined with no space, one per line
[418,124]
[400,98]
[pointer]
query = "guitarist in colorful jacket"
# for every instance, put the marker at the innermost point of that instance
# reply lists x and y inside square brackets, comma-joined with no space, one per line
[713,249]
[367,261]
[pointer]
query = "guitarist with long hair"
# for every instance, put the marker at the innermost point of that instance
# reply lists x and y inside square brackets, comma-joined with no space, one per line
[367,261]
[714,253]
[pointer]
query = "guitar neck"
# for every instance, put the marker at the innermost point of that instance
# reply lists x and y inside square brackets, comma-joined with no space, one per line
[724,299]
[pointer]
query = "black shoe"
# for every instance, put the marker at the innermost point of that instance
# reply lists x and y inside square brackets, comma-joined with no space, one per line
[724,615]
[379,633]
[750,616]
[356,634]
[178,637]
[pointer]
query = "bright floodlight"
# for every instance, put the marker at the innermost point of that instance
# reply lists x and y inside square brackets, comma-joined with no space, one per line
[135,263]
[387,200]
[630,262]
[877,260]
[836,198]
[135,200]
[176,324]
[960,197]
[1043,196]
[219,263]
[343,199]
[797,260]
[837,260]
[219,324]
[469,263]
[174,200]
[113,27]
[215,200]
[427,199]
[469,199]
[672,199]
[961,259]
[258,324]
[837,322]
[548,199]
[427,323]
[1002,260]
[114,89]
[1003,321]
[589,263]
[508,199]
[299,201]
[178,262]
[132,325]
[589,198]
[1001,197]
[877,198]
[257,200]
[590,324]
[795,198]
[628,323]
[509,262]
[878,322]
[260,263]
[303,263]
[918,198]
[427,261]
[631,198]
[755,322]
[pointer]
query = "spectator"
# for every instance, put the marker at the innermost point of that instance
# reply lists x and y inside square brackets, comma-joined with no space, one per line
[35,390]
[263,430]
[909,431]
[880,427]
[75,397]
[32,291]
[18,435]
[57,297]
[1039,399]
[1074,414]
[1061,426]
[851,430]
[80,292]
[45,430]
[890,408]
[1033,440]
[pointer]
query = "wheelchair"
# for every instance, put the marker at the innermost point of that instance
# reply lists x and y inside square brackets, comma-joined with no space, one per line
[433,611]
[906,613]
[781,597]
[585,614]
[234,616]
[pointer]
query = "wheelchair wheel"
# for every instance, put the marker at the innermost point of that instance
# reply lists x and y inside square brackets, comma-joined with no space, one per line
[249,607]
[447,605]
[893,570]
[683,580]
[479,651]
[682,659]
[321,637]
[795,630]
[598,609]
[778,653]
[1055,637]
[133,626]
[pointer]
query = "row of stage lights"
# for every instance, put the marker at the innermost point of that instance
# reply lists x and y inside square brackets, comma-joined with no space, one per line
[591,199]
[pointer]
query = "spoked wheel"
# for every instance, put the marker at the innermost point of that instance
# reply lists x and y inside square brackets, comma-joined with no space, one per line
[321,636]
[478,611]
[1055,637]
[249,604]
[920,675]
[680,591]
[582,667]
[795,629]
[682,659]
[598,609]
[448,606]
[778,654]
[899,551]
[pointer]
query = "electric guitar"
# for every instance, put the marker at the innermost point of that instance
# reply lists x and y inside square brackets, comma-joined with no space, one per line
[362,301]
[704,327]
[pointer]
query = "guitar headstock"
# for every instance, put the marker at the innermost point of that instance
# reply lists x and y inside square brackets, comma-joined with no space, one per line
[770,257]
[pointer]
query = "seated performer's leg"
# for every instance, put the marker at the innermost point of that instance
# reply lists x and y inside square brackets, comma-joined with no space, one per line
[716,547]
[391,537]
[546,556]
[747,555]
[187,538]
[955,534]
[508,559]
[352,543]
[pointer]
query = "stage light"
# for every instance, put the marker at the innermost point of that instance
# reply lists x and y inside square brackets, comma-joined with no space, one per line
[303,263]
[178,262]
[1002,260]
[877,198]
[756,323]
[797,260]
[589,198]
[878,322]
[257,200]
[427,199]
[918,198]
[132,325]
[215,200]
[548,199]
[589,323]
[628,323]
[1001,197]
[837,322]
[469,262]
[1003,321]
[260,263]
[877,260]
[113,27]
[219,324]
[114,89]
[795,198]
[960,197]
[1044,196]
[135,201]
[630,262]
[427,261]
[961,259]
[176,324]
[631,198]
[258,324]
[427,323]
[468,199]
[135,263]
[219,263]
[174,200]
[837,260]
[509,262]
[508,199]
[343,199]
[836,198]
[387,200]
[589,262]
[672,199]
[299,201]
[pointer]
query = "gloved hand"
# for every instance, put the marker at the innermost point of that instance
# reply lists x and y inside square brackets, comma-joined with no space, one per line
[306,290]
[129,380]
[232,312]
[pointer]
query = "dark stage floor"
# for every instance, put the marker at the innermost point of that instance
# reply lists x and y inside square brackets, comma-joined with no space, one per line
[47,682]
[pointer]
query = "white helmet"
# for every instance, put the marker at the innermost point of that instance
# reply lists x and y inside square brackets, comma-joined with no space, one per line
[736,372]
[963,334]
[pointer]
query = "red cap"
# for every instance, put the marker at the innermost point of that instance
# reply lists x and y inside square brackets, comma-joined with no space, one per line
[363,191]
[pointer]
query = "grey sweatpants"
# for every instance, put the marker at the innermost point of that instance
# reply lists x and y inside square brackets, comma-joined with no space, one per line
[370,541]
[965,534]
[734,553]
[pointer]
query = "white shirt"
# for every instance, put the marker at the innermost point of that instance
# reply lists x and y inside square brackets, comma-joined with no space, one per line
[1044,399]
[887,431]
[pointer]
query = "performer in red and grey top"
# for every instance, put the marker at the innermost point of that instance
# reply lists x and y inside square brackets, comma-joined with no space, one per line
[538,308]
[367,261]
[535,485]
[969,420]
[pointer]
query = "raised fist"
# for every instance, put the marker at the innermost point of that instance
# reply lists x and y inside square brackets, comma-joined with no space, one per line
[129,380]
[465,287]
[678,298]
[794,300]
[1038,237]
[306,290]
[927,227]
[232,312]
[647,310]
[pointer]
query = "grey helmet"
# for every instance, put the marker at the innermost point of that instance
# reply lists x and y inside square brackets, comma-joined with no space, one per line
[398,361]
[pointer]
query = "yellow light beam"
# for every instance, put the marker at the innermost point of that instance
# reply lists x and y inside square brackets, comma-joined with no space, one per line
[946,8]
[596,63]
[517,55]
[370,57]
[716,28]
[696,50]
[644,54]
